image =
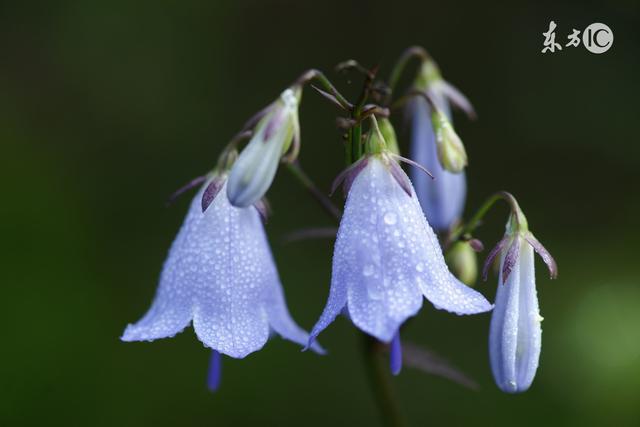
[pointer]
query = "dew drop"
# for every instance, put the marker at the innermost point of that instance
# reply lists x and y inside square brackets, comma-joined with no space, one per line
[420,267]
[367,270]
[390,218]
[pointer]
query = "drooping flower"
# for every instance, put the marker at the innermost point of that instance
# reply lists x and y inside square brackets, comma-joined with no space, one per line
[221,276]
[515,336]
[443,198]
[255,169]
[387,258]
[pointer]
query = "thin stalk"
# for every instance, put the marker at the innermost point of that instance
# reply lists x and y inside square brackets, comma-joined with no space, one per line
[476,219]
[380,380]
[348,144]
[357,141]
[297,171]
[398,69]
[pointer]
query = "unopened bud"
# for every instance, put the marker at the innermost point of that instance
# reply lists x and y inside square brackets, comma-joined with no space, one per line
[451,152]
[253,172]
[389,135]
[462,261]
[427,75]
[376,142]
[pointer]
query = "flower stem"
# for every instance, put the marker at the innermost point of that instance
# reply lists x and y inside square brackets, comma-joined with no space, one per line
[378,372]
[414,51]
[476,220]
[297,171]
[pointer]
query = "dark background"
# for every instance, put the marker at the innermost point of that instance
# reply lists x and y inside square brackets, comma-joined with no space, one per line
[106,107]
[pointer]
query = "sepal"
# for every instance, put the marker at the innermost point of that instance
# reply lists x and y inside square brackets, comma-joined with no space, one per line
[544,254]
[210,193]
[347,176]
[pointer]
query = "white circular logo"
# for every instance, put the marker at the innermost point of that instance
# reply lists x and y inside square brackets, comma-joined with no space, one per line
[597,38]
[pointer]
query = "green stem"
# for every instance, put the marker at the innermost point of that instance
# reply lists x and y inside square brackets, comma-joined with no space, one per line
[298,173]
[348,144]
[356,142]
[356,113]
[378,373]
[398,69]
[475,221]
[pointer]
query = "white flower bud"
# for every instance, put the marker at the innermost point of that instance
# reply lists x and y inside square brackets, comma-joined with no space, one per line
[252,174]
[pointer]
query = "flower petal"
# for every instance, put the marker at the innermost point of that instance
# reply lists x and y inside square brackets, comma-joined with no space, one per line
[439,285]
[280,319]
[171,311]
[336,302]
[372,255]
[229,313]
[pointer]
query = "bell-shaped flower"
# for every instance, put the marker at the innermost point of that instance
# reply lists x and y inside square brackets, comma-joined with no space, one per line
[386,256]
[254,171]
[515,333]
[221,276]
[443,198]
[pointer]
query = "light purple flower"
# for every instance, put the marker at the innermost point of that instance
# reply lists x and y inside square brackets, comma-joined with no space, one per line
[442,199]
[221,276]
[515,333]
[387,258]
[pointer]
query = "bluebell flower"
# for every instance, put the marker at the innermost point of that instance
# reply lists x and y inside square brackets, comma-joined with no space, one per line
[254,171]
[387,257]
[442,199]
[221,276]
[515,336]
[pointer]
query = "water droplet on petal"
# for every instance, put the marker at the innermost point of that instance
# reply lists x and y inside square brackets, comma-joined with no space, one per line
[367,270]
[390,218]
[420,267]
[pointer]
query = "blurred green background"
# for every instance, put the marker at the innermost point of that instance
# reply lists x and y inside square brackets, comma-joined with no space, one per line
[106,107]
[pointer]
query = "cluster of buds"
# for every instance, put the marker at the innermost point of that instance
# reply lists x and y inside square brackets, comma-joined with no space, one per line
[220,275]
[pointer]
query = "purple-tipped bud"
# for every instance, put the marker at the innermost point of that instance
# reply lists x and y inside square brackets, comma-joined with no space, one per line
[515,334]
[515,337]
[254,171]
